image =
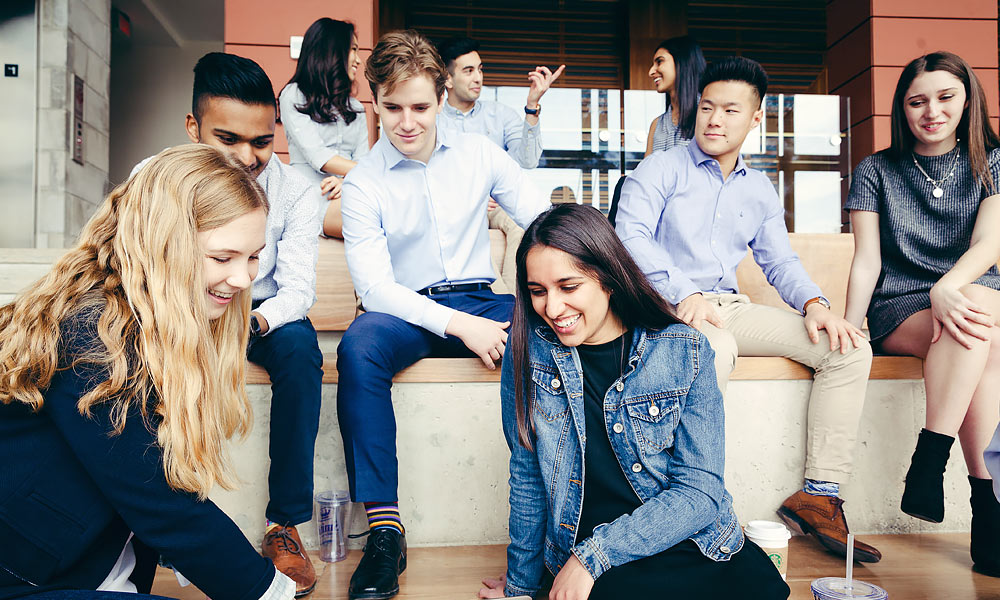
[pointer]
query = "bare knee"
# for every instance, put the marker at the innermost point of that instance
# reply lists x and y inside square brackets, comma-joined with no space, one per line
[980,294]
[993,358]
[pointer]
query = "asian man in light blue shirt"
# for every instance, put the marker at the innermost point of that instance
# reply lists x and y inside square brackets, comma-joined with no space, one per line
[688,215]
[418,250]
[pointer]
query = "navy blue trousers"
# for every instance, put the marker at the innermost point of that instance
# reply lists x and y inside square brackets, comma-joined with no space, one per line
[290,354]
[375,347]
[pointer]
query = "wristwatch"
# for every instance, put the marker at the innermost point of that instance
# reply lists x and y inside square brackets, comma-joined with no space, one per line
[254,326]
[818,300]
[533,111]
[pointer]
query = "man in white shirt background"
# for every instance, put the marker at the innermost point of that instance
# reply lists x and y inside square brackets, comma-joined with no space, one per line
[464,111]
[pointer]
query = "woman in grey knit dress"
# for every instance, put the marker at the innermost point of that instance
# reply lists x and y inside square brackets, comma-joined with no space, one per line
[926,219]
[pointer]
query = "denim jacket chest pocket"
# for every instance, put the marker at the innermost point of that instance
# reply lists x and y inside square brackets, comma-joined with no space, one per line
[654,418]
[551,402]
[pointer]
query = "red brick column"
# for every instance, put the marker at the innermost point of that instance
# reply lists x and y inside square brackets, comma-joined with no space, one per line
[870,41]
[260,30]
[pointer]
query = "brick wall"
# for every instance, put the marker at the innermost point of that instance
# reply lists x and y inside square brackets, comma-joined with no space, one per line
[870,41]
[266,40]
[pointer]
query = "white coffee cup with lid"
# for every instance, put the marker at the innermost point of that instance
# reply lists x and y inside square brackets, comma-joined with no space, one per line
[772,537]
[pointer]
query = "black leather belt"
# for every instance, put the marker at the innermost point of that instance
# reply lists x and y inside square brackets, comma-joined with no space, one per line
[449,289]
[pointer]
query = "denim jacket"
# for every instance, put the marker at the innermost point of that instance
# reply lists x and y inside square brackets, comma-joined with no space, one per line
[664,418]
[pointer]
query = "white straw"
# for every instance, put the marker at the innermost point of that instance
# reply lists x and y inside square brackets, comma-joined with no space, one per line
[850,561]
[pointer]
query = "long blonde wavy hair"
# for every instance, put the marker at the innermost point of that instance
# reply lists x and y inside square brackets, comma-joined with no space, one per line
[139,265]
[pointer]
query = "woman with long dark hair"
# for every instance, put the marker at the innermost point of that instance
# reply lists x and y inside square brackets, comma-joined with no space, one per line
[615,425]
[122,376]
[926,220]
[326,128]
[677,67]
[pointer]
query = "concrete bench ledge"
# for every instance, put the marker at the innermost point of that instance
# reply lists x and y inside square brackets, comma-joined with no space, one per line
[468,370]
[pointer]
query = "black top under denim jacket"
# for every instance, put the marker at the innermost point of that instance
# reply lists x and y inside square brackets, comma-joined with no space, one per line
[607,493]
[71,491]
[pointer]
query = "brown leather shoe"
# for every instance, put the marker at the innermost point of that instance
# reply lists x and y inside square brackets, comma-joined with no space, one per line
[283,546]
[823,516]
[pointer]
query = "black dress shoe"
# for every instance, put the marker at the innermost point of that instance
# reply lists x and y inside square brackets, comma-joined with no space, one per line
[377,575]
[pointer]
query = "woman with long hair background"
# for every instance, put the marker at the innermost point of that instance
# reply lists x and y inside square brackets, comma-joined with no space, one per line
[612,413]
[121,379]
[326,128]
[677,67]
[926,219]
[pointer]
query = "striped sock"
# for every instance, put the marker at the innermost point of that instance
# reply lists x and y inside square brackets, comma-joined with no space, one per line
[384,515]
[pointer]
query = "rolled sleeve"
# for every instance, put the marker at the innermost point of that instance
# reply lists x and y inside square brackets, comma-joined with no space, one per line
[522,140]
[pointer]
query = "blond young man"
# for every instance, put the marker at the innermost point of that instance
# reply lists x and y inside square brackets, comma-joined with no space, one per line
[414,211]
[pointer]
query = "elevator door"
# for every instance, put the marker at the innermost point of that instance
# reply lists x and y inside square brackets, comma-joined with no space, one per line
[17,122]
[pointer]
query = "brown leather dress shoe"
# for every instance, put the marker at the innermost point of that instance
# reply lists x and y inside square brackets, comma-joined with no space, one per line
[823,516]
[283,546]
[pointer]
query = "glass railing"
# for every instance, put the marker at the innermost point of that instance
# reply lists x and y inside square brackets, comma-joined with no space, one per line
[594,136]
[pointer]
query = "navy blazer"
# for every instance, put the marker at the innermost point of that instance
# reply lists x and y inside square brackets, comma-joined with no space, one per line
[71,491]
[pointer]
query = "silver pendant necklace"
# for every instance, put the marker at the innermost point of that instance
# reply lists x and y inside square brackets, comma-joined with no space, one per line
[938,191]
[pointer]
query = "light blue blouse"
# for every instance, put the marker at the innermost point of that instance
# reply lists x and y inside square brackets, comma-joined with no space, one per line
[312,144]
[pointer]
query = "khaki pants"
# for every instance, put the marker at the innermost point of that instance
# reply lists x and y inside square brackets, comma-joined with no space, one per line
[838,390]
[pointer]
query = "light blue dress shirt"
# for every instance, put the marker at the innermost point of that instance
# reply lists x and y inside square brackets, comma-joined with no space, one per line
[410,225]
[502,124]
[688,229]
[312,144]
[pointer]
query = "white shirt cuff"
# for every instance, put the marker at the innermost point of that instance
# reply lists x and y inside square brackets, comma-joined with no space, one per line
[281,588]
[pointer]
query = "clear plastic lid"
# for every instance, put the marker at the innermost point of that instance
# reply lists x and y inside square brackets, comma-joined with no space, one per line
[836,588]
[337,497]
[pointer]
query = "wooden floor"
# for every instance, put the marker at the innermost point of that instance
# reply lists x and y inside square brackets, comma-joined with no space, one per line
[927,566]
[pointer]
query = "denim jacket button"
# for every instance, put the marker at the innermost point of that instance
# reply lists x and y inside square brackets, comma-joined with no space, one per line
[556,383]
[654,410]
[724,549]
[620,386]
[618,428]
[636,468]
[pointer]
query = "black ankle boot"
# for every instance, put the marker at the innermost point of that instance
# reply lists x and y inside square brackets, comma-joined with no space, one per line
[923,496]
[985,546]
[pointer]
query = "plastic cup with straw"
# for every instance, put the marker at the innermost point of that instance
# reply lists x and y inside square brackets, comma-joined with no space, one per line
[840,588]
[850,562]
